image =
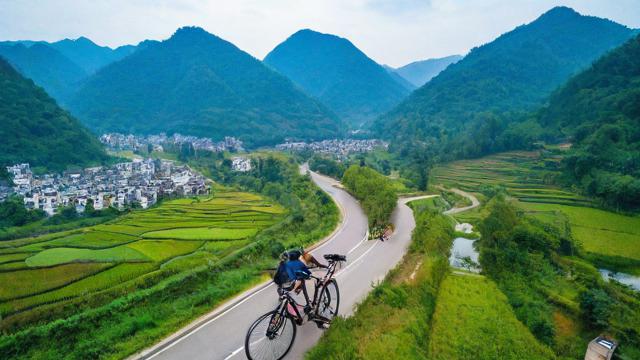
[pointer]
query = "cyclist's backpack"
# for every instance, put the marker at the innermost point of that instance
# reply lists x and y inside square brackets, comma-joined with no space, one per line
[281,277]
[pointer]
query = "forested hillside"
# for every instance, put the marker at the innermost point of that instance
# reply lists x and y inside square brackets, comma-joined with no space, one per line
[339,74]
[467,109]
[199,84]
[599,112]
[34,129]
[46,66]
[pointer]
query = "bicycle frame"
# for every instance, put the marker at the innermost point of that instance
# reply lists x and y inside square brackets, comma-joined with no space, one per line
[288,303]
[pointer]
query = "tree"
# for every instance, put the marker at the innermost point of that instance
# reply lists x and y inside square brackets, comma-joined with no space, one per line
[597,307]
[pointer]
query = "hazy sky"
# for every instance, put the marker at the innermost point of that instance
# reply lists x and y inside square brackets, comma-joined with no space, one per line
[392,32]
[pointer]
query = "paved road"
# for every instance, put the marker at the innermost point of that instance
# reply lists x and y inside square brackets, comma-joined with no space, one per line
[220,334]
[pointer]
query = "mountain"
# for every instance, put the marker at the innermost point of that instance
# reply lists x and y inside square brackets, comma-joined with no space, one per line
[599,110]
[467,110]
[419,73]
[338,73]
[199,84]
[34,129]
[399,79]
[46,66]
[90,56]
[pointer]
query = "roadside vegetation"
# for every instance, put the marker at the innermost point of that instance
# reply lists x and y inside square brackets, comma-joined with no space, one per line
[133,293]
[375,192]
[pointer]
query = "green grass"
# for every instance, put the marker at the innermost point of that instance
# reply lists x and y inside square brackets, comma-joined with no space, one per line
[473,320]
[201,234]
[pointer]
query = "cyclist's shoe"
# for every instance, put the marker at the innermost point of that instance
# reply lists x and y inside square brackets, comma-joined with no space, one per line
[321,321]
[322,324]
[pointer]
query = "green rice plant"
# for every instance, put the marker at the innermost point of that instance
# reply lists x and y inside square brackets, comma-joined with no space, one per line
[58,256]
[20,283]
[100,281]
[473,320]
[600,231]
[201,234]
[161,250]
[13,257]
[88,239]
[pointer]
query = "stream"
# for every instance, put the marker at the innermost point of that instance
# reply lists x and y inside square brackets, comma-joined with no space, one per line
[627,279]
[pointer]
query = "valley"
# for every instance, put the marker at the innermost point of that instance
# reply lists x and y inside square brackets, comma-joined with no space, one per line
[171,172]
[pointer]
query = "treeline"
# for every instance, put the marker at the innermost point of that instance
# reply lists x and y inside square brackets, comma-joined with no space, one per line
[327,166]
[538,266]
[16,221]
[375,192]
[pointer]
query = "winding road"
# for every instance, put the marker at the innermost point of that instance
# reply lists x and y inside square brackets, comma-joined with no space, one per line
[220,334]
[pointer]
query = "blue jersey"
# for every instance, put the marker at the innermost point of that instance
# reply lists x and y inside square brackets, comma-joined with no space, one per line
[294,266]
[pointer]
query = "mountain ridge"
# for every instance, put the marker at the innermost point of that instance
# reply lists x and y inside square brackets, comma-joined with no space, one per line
[197,83]
[466,109]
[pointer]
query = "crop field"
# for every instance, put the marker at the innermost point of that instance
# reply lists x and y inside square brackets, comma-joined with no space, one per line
[59,267]
[611,237]
[473,320]
[522,174]
[601,232]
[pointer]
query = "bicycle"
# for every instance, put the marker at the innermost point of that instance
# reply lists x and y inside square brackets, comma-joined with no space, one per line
[272,335]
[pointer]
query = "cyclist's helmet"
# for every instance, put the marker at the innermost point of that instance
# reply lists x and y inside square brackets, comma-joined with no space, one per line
[291,255]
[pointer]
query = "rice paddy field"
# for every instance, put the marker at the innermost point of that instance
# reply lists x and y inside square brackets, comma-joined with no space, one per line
[473,320]
[60,267]
[611,239]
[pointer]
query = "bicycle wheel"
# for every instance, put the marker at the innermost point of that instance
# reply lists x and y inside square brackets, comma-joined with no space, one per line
[329,300]
[270,337]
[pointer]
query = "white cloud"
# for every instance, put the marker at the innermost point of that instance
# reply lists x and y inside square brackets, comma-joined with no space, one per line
[390,31]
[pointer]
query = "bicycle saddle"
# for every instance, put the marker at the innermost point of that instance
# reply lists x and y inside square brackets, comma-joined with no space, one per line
[335,257]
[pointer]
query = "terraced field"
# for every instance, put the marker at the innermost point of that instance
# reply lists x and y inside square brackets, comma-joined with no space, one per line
[64,266]
[611,239]
[524,175]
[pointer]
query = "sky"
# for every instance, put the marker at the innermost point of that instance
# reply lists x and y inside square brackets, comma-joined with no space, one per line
[393,32]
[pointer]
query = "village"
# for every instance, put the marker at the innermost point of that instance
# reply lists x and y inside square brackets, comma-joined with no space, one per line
[338,148]
[140,182]
[158,143]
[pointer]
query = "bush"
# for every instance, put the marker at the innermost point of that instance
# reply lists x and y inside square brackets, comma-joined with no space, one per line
[597,307]
[375,192]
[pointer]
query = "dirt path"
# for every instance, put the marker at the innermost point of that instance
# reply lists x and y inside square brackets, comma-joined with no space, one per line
[474,202]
